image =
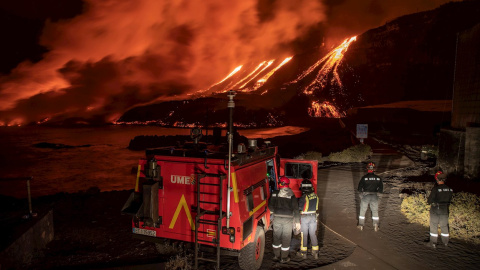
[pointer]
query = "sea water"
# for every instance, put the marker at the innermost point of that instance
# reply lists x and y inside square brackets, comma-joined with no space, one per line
[95,157]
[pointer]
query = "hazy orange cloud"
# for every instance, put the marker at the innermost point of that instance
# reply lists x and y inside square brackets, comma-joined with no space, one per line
[121,53]
[160,48]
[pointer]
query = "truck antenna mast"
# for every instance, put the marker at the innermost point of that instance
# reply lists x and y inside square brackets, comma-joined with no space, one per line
[231,104]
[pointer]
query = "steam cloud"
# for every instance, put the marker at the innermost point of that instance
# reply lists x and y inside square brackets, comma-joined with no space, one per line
[118,54]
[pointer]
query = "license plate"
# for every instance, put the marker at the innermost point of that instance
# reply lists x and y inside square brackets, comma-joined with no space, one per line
[145,232]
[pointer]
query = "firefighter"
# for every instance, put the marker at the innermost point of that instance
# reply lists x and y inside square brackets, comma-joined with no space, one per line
[369,186]
[284,207]
[439,199]
[308,206]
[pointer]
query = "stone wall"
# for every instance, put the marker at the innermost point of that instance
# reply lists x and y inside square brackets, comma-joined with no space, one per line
[451,151]
[466,95]
[20,253]
[472,153]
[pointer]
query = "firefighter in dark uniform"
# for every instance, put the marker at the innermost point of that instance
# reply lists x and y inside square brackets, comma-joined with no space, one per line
[308,206]
[284,206]
[369,186]
[439,199]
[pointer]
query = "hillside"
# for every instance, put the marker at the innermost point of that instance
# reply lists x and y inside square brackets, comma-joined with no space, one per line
[409,58]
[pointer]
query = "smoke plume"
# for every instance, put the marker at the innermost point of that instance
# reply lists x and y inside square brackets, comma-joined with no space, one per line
[118,54]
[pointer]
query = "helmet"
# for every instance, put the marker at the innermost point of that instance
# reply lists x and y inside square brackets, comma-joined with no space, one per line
[371,167]
[306,186]
[440,176]
[284,182]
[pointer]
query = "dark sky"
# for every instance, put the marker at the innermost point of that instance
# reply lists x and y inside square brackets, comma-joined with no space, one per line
[96,59]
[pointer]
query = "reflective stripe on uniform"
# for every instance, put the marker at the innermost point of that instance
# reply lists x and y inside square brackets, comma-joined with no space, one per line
[375,218]
[315,248]
[279,246]
[360,217]
[434,234]
[445,234]
[285,249]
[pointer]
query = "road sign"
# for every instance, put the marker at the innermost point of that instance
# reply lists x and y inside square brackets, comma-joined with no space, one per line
[362,131]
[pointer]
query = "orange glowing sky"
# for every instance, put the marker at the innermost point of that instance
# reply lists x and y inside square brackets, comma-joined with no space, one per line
[116,54]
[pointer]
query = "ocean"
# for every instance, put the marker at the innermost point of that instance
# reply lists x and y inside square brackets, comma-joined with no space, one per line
[94,157]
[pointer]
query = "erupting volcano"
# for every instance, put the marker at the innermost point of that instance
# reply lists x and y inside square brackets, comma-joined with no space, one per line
[106,59]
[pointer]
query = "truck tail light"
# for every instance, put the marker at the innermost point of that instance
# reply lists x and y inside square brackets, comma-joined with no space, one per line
[230,231]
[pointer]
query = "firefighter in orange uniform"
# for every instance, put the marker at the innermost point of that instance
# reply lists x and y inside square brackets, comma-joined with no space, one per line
[284,206]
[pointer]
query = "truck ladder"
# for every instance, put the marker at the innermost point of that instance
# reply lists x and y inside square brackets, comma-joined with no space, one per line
[203,214]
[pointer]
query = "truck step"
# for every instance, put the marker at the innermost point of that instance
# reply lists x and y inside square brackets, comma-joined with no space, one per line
[209,184]
[209,222]
[206,259]
[209,193]
[209,202]
[214,241]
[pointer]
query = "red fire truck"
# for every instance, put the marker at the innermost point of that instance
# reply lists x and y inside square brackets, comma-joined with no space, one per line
[215,200]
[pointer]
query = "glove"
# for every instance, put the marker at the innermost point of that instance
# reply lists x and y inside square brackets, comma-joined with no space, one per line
[297,226]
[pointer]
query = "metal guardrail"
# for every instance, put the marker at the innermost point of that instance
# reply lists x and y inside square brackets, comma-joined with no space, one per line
[28,179]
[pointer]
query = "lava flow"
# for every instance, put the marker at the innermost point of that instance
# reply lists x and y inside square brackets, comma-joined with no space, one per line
[330,62]
[324,109]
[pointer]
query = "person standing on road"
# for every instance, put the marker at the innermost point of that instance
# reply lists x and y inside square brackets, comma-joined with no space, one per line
[439,199]
[369,186]
[308,206]
[284,206]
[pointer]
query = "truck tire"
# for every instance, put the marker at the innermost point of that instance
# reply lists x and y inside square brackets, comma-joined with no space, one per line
[251,256]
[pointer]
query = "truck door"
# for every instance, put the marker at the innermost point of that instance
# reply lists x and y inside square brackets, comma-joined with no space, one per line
[296,170]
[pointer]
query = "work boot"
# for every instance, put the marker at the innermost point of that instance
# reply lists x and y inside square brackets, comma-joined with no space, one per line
[276,259]
[315,255]
[360,227]
[430,245]
[375,227]
[302,255]
[285,260]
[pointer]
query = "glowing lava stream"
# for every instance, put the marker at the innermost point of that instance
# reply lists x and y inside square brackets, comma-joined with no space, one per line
[224,79]
[265,67]
[325,109]
[265,78]
[330,63]
[251,73]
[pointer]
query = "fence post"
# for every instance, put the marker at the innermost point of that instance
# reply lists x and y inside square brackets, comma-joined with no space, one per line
[29,196]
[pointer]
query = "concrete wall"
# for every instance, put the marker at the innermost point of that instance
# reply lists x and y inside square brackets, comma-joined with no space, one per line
[20,253]
[466,95]
[451,151]
[459,149]
[472,153]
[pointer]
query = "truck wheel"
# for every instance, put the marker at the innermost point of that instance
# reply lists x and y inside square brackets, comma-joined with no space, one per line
[251,256]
